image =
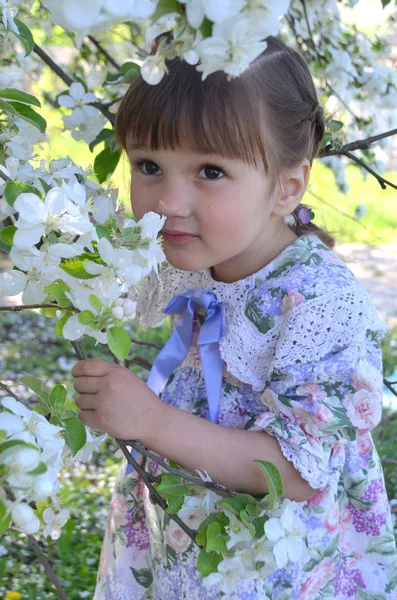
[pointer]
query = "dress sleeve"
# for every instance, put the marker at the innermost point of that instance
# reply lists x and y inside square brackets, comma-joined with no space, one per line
[317,402]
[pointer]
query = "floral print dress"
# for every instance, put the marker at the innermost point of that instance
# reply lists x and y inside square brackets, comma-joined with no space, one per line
[302,362]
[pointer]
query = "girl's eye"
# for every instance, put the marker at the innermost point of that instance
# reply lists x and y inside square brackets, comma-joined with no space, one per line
[147,167]
[212,172]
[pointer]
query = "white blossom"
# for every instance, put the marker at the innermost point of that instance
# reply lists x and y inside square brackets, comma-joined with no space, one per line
[287,531]
[54,522]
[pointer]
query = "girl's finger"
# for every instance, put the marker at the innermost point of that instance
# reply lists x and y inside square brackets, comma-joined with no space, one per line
[86,402]
[87,385]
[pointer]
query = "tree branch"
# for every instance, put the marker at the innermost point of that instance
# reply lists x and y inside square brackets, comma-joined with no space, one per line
[382,181]
[19,307]
[11,393]
[358,144]
[68,80]
[389,386]
[146,477]
[48,568]
[104,52]
[215,487]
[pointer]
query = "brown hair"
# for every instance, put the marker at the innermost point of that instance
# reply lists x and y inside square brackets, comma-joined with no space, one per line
[271,109]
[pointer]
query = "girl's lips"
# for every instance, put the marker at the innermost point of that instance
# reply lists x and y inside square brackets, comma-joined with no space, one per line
[178,238]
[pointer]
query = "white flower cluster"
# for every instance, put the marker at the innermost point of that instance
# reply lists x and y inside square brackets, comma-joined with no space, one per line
[237,36]
[85,121]
[247,559]
[72,235]
[32,453]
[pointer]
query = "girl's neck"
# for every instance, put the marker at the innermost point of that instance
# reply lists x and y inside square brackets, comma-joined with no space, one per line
[236,269]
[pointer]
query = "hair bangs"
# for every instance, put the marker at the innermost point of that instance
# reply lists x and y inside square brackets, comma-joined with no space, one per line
[211,117]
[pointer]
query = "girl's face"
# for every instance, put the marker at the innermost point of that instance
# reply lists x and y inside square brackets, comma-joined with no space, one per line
[224,203]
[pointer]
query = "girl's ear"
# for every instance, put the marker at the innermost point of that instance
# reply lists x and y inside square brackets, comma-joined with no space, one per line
[294,183]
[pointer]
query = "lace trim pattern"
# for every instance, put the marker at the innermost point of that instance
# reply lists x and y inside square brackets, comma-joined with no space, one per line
[306,333]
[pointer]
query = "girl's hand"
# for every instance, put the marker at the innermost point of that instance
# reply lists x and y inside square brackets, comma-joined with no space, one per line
[115,400]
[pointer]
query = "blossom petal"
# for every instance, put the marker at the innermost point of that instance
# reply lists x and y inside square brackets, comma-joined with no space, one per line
[73,329]
[12,283]
[30,208]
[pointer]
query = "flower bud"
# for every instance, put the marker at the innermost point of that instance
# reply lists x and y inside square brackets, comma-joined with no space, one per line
[118,312]
[129,308]
[119,302]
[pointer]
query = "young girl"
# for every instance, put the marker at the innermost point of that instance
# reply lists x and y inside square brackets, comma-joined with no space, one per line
[294,372]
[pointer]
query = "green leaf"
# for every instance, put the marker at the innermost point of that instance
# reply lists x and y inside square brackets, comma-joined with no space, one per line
[39,470]
[218,517]
[105,163]
[86,317]
[102,231]
[19,96]
[130,70]
[12,443]
[206,28]
[61,322]
[171,485]
[3,435]
[75,434]
[75,268]
[273,480]
[208,562]
[7,235]
[30,115]
[58,397]
[25,35]
[174,504]
[106,135]
[143,576]
[95,302]
[163,8]
[45,185]
[5,519]
[334,125]
[49,313]
[36,385]
[14,188]
[119,342]
[56,292]
[216,540]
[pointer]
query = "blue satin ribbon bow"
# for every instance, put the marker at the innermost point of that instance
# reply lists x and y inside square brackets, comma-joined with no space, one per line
[177,347]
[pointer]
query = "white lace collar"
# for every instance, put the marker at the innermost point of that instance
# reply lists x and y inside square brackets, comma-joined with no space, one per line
[250,351]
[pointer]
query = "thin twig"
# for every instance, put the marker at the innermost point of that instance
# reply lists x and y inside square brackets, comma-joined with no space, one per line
[154,495]
[48,568]
[19,307]
[11,393]
[103,51]
[146,477]
[360,144]
[141,362]
[389,386]
[216,487]
[382,181]
[68,80]
[150,344]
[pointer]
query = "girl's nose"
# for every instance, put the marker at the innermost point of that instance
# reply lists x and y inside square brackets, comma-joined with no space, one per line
[174,202]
